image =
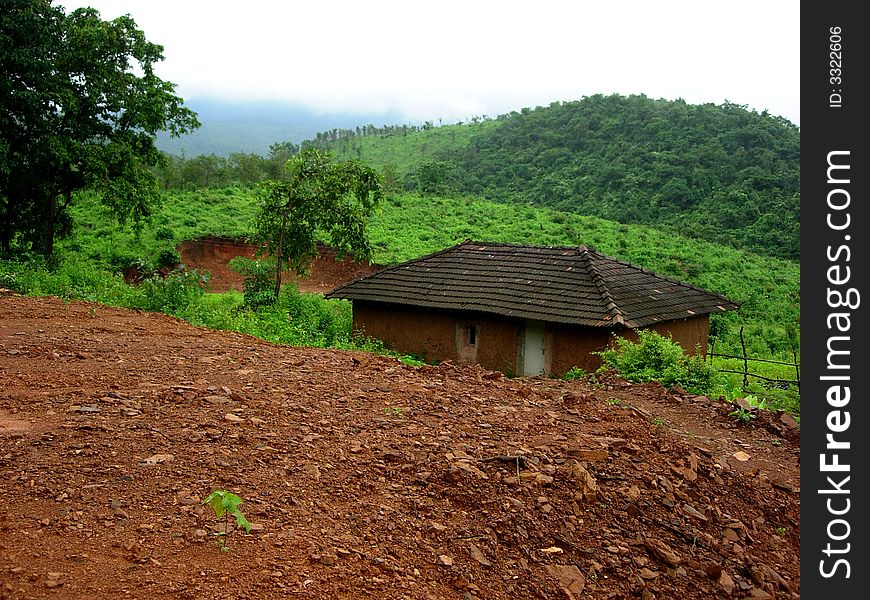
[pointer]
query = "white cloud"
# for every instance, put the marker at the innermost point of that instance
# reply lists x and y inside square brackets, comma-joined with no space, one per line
[453,59]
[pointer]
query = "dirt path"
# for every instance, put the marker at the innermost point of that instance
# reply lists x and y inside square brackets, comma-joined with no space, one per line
[366,478]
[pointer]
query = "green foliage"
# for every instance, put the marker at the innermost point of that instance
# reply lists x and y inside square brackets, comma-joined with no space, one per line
[70,278]
[408,226]
[259,280]
[80,107]
[574,373]
[164,233]
[742,415]
[171,293]
[720,173]
[316,197]
[657,358]
[168,258]
[224,504]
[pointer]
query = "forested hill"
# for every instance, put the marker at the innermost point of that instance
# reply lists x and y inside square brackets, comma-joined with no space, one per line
[718,172]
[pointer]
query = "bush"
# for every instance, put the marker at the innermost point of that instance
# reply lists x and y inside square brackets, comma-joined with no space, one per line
[259,285]
[574,373]
[164,233]
[178,290]
[657,358]
[168,258]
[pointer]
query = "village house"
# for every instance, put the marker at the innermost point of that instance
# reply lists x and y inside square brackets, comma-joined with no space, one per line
[524,310]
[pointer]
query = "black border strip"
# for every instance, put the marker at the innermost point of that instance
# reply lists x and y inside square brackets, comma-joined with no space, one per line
[835,226]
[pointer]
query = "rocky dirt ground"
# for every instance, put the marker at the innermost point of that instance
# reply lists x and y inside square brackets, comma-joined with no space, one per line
[366,478]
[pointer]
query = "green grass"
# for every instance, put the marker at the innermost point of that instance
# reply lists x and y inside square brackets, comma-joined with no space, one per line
[408,226]
[405,152]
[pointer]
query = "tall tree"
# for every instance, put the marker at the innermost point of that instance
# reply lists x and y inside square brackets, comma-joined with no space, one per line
[80,106]
[316,196]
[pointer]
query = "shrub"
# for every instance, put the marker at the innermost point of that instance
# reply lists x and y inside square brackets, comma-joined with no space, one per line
[259,285]
[170,294]
[657,358]
[164,233]
[168,258]
[574,373]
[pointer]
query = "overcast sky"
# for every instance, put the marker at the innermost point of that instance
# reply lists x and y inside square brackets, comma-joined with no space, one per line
[455,59]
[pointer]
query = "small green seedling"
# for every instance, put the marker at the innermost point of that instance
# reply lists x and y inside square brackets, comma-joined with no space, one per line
[742,415]
[225,504]
[754,402]
[396,411]
[781,530]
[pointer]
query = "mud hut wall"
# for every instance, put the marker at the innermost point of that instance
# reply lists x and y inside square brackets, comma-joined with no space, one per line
[691,333]
[572,346]
[440,335]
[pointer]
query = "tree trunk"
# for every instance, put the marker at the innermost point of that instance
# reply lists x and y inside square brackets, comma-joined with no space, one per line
[6,235]
[280,255]
[50,218]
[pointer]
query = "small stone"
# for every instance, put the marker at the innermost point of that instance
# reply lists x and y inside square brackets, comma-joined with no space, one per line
[477,555]
[156,459]
[444,560]
[313,470]
[789,421]
[590,455]
[570,578]
[694,512]
[661,551]
[741,456]
[517,504]
[233,418]
[647,574]
[586,486]
[782,485]
[726,583]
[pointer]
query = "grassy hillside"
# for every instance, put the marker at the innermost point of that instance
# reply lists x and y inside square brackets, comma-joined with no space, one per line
[409,225]
[721,173]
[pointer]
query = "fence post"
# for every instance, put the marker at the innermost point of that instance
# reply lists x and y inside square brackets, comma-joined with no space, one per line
[745,361]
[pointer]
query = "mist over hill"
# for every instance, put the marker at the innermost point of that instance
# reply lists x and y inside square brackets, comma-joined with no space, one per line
[251,127]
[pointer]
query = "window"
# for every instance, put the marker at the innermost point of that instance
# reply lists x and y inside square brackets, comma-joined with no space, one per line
[469,335]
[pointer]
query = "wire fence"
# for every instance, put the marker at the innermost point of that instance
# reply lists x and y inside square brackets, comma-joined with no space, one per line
[795,364]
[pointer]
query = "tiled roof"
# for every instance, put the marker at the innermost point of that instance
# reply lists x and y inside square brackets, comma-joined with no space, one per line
[575,285]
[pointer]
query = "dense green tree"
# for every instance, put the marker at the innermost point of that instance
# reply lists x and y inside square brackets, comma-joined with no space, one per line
[316,196]
[205,170]
[279,154]
[722,173]
[80,106]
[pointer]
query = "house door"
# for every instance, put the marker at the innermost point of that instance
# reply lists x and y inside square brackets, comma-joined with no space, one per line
[534,345]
